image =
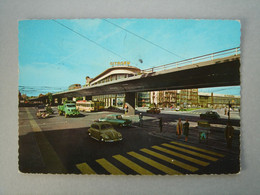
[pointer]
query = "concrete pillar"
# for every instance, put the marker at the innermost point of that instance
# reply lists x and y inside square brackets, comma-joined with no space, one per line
[59,101]
[116,100]
[130,103]
[111,101]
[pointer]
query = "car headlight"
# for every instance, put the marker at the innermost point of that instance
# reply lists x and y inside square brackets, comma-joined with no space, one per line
[105,136]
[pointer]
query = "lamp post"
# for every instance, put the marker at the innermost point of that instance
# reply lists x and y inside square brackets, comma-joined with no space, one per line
[229,106]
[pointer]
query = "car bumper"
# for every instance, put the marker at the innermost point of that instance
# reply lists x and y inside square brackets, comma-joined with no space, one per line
[114,140]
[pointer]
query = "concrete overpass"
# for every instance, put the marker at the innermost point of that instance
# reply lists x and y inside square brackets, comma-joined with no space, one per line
[186,74]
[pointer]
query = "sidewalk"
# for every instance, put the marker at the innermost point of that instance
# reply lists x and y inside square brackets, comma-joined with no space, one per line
[216,139]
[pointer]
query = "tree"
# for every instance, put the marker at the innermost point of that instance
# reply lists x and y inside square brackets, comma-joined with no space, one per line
[79,98]
[50,98]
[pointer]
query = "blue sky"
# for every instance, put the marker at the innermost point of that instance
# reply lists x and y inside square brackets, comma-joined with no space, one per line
[54,54]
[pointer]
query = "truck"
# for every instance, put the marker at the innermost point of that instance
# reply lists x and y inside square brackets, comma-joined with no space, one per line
[68,109]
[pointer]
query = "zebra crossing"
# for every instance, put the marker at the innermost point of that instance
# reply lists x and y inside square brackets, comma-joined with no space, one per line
[171,158]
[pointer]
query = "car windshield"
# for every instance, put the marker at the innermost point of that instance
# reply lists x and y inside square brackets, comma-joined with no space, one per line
[70,105]
[106,126]
[119,117]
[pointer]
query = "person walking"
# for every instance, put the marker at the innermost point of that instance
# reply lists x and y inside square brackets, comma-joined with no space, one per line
[186,129]
[179,128]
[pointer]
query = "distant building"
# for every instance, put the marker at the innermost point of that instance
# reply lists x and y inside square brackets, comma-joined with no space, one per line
[75,86]
[210,100]
[175,98]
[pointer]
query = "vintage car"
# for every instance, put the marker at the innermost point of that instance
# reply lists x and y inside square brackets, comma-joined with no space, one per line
[42,113]
[153,110]
[104,132]
[68,109]
[210,115]
[116,120]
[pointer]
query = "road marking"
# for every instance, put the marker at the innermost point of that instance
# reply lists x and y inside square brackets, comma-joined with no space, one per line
[85,168]
[199,162]
[198,149]
[191,152]
[154,164]
[109,167]
[132,165]
[49,156]
[170,160]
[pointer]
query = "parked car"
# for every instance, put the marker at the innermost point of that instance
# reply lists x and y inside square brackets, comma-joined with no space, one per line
[210,115]
[42,113]
[104,132]
[116,120]
[49,110]
[153,110]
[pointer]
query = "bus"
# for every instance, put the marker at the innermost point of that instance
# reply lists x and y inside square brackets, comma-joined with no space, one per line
[99,105]
[86,106]
[89,106]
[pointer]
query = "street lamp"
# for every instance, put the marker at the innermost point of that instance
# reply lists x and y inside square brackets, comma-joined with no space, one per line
[229,106]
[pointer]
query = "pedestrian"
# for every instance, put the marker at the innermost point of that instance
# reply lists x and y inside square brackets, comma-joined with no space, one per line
[126,108]
[229,132]
[140,120]
[186,129]
[179,128]
[160,124]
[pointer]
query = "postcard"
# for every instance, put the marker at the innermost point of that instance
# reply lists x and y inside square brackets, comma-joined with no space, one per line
[129,96]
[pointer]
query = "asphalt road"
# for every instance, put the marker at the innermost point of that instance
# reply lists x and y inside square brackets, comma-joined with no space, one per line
[61,145]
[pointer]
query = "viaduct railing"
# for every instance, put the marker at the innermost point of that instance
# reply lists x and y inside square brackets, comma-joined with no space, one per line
[207,57]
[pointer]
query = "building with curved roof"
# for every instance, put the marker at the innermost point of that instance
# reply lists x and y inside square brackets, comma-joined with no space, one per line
[116,73]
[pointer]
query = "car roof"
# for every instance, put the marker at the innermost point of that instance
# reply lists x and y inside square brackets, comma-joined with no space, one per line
[114,115]
[99,123]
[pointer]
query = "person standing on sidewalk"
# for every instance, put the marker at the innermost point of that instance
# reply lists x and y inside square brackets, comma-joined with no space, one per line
[229,132]
[186,129]
[179,128]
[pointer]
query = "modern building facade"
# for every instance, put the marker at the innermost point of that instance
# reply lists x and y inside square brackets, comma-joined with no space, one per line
[116,73]
[191,98]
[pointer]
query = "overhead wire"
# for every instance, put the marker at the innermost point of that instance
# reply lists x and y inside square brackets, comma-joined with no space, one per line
[85,37]
[143,39]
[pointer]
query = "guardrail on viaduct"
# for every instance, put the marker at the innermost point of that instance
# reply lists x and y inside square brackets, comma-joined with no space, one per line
[207,57]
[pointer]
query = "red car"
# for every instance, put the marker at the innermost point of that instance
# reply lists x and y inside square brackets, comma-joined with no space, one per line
[153,110]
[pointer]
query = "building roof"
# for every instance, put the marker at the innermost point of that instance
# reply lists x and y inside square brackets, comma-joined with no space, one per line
[131,68]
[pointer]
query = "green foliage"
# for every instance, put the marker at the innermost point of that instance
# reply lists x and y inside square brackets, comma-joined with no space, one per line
[50,98]
[79,98]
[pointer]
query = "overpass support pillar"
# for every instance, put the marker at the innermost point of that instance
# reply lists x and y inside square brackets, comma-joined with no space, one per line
[130,103]
[59,101]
